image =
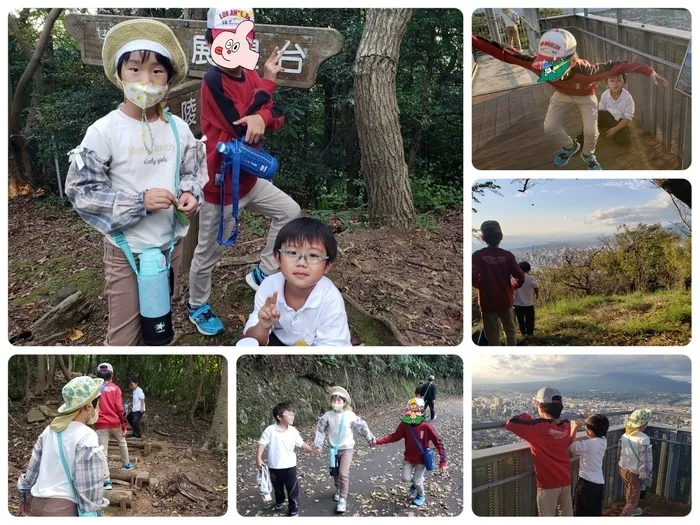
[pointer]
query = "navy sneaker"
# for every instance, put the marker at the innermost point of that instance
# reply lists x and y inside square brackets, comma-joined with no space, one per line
[279,508]
[591,162]
[205,320]
[108,485]
[255,278]
[565,154]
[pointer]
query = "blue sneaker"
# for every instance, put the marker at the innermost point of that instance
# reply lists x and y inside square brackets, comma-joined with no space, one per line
[591,162]
[205,320]
[412,490]
[128,466]
[108,485]
[565,154]
[255,278]
[419,500]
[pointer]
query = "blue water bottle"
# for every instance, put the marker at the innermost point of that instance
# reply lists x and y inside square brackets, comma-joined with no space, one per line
[333,461]
[154,298]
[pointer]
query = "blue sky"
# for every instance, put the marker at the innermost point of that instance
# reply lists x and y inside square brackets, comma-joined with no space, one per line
[569,209]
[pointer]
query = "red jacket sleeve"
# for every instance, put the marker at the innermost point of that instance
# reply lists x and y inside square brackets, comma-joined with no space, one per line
[432,436]
[503,52]
[519,426]
[396,435]
[476,274]
[604,70]
[264,105]
[515,270]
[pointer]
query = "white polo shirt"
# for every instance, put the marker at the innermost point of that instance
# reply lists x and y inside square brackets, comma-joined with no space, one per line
[280,445]
[621,108]
[320,322]
[592,452]
[523,296]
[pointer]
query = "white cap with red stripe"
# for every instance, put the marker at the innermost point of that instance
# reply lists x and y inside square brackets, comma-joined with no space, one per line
[555,45]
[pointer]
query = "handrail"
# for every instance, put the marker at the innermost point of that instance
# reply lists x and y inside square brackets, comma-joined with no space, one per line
[630,49]
[569,415]
[510,479]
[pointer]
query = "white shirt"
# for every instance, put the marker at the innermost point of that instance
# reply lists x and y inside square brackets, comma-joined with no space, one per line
[507,20]
[116,138]
[320,322]
[592,452]
[52,481]
[280,445]
[621,108]
[628,460]
[137,397]
[523,296]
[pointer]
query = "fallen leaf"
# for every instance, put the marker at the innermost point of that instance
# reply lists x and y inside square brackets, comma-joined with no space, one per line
[242,318]
[75,335]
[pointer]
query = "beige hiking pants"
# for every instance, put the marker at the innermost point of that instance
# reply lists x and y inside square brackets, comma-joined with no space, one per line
[549,499]
[264,198]
[559,104]
[492,327]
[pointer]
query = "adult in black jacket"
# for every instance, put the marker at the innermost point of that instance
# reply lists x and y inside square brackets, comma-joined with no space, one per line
[429,393]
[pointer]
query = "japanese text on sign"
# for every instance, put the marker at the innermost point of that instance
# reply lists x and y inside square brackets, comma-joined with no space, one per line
[188,111]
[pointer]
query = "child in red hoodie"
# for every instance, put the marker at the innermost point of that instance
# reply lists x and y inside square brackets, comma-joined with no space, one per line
[548,437]
[573,80]
[111,421]
[492,269]
[417,435]
[236,104]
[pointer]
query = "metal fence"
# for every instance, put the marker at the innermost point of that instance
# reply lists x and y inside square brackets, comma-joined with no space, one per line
[503,480]
[663,112]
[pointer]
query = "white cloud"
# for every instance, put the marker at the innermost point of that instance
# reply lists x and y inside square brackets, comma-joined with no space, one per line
[657,210]
[515,368]
[567,218]
[630,184]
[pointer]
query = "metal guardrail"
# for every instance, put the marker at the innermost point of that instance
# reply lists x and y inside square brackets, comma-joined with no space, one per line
[504,482]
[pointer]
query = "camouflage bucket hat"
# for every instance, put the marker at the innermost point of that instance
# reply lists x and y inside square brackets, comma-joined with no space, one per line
[79,392]
[639,418]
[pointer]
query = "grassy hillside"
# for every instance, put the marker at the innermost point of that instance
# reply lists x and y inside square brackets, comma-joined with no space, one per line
[658,319]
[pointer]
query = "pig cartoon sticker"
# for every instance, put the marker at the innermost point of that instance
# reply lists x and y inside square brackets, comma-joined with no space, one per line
[231,49]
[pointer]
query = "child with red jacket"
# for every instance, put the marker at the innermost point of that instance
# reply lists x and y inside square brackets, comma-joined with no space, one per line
[236,104]
[492,269]
[548,437]
[573,80]
[417,436]
[111,421]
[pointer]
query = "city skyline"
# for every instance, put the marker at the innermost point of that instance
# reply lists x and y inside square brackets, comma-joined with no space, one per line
[493,370]
[571,209]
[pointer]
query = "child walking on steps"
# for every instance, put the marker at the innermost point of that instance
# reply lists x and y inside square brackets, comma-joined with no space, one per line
[339,424]
[573,80]
[417,435]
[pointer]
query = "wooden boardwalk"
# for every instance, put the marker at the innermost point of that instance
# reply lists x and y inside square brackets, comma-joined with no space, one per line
[507,134]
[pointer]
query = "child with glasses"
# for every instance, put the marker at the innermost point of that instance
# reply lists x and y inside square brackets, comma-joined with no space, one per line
[300,306]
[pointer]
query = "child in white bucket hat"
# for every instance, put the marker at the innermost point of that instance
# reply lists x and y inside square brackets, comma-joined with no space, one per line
[46,489]
[123,179]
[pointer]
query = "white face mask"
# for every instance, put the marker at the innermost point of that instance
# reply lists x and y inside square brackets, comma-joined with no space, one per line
[93,418]
[337,406]
[144,94]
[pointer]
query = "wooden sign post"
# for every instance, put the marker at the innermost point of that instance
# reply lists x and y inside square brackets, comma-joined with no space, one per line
[304,50]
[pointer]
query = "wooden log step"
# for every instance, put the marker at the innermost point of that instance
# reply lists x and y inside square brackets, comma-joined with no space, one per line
[136,477]
[119,497]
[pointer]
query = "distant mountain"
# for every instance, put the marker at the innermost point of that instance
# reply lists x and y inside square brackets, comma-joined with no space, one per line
[611,382]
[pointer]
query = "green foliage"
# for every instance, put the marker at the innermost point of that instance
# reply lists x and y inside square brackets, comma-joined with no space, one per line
[429,194]
[162,377]
[254,222]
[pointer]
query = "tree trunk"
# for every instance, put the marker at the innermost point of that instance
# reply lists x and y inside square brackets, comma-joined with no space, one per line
[198,395]
[52,372]
[352,157]
[218,433]
[62,366]
[190,370]
[28,394]
[18,142]
[377,115]
[40,374]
